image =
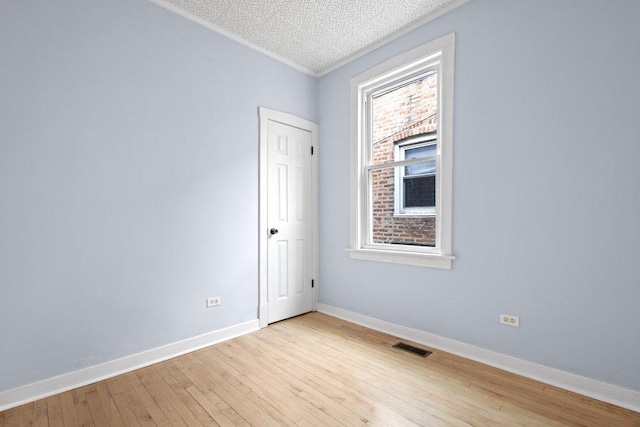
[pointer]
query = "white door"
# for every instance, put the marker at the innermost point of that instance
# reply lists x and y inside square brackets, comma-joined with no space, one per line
[289,221]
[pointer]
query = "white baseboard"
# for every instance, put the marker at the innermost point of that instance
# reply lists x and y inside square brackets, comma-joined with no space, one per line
[605,392]
[59,384]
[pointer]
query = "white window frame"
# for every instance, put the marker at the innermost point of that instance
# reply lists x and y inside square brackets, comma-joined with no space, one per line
[437,55]
[398,195]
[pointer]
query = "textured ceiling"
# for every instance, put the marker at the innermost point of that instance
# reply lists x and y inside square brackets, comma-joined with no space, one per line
[315,36]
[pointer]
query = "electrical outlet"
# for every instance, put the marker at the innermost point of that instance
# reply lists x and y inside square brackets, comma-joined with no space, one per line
[212,302]
[507,319]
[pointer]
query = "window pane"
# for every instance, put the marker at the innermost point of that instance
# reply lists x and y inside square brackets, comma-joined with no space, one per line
[420,168]
[386,226]
[420,191]
[416,153]
[403,112]
[424,151]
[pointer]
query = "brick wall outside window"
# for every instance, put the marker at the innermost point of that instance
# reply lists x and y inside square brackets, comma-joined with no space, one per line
[405,112]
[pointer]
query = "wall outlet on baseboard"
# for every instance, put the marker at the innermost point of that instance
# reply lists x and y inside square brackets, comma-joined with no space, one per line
[507,319]
[212,302]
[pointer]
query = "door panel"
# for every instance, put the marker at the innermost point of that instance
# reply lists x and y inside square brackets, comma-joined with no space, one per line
[289,250]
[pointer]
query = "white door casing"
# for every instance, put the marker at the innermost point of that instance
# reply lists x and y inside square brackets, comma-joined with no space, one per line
[288,216]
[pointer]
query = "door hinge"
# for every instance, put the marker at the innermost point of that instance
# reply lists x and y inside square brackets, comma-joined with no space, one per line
[313,285]
[312,150]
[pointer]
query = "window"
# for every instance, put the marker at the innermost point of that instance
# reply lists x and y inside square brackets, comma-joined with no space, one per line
[415,185]
[401,158]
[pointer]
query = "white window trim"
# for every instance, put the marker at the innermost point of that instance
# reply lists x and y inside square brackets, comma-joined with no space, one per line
[398,193]
[405,65]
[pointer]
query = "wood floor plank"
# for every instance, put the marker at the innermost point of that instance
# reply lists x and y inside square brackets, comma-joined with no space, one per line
[418,416]
[156,413]
[108,404]
[220,362]
[127,406]
[181,385]
[40,413]
[26,415]
[259,374]
[82,408]
[318,370]
[303,391]
[12,417]
[319,381]
[194,408]
[212,409]
[54,409]
[68,409]
[362,355]
[140,410]
[333,358]
[277,409]
[204,392]
[525,397]
[246,408]
[155,392]
[95,407]
[590,407]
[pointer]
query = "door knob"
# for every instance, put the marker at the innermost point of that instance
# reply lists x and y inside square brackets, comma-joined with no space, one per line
[273,231]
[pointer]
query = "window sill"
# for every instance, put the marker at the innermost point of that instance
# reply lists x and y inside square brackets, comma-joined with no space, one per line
[400,257]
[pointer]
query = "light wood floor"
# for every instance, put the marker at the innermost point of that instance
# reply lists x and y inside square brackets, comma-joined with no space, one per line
[317,370]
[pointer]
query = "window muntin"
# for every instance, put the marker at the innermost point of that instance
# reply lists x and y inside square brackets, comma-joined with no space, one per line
[368,239]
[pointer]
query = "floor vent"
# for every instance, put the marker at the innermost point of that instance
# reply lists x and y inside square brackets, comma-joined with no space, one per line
[411,349]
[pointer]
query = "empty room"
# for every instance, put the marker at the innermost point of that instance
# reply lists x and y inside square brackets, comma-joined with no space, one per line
[319,212]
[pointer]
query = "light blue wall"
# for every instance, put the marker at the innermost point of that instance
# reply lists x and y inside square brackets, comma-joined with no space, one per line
[128,180]
[546,189]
